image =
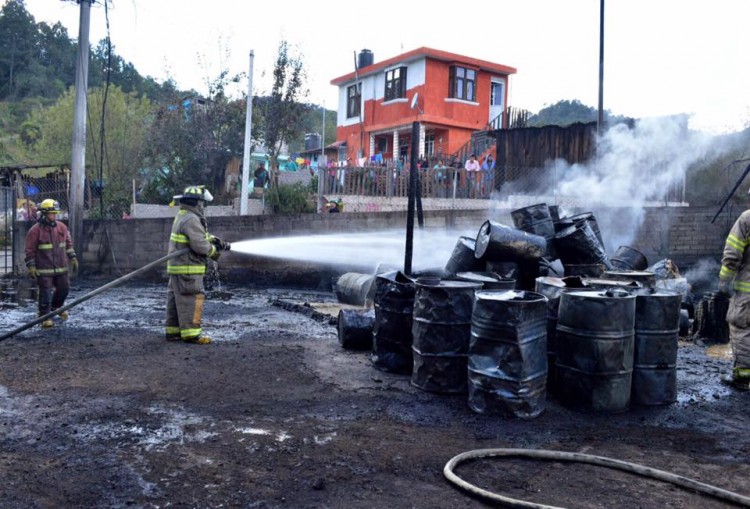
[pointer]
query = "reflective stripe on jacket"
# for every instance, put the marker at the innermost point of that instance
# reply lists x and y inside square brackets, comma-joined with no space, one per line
[734,262]
[189,230]
[48,248]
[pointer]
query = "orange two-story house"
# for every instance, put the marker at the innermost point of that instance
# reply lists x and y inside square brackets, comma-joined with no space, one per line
[456,96]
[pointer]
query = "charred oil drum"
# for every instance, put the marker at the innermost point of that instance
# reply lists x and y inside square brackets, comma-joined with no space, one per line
[657,328]
[595,341]
[584,269]
[355,328]
[463,259]
[391,335]
[488,280]
[606,284]
[578,244]
[587,217]
[355,289]
[508,353]
[643,277]
[628,258]
[552,288]
[441,332]
[554,213]
[497,242]
[538,220]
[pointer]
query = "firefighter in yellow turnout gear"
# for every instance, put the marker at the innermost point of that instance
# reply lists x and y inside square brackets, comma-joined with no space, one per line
[735,275]
[185,294]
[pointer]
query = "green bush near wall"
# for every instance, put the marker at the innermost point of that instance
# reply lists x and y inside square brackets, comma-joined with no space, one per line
[291,199]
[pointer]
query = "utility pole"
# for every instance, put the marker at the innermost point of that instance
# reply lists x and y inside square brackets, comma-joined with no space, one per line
[320,162]
[245,187]
[78,159]
[600,119]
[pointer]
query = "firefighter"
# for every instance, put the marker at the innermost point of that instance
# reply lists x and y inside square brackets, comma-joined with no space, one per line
[185,294]
[735,275]
[48,255]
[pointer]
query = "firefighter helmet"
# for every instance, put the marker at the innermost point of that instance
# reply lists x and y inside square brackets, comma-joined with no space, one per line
[49,206]
[195,193]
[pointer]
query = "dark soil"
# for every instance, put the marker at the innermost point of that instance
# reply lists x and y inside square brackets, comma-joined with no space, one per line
[101,411]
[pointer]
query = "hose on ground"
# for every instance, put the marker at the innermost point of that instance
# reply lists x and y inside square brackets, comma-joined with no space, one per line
[625,466]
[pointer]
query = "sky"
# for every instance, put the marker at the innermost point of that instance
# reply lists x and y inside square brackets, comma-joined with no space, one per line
[661,57]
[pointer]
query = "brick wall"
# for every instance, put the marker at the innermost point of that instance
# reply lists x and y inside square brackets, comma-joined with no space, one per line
[115,248]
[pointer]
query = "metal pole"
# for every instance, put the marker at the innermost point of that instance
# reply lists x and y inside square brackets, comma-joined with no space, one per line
[96,292]
[412,193]
[245,186]
[600,119]
[78,160]
[320,163]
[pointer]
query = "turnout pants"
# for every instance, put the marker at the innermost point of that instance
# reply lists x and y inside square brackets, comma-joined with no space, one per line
[738,317]
[185,299]
[53,290]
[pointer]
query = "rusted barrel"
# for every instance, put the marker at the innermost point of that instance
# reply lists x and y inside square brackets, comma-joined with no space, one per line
[536,219]
[628,258]
[644,277]
[355,288]
[497,242]
[394,305]
[508,353]
[578,244]
[463,259]
[657,328]
[441,330]
[595,341]
[355,328]
[488,280]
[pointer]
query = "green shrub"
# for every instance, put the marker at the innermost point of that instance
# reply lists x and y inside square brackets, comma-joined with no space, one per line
[290,199]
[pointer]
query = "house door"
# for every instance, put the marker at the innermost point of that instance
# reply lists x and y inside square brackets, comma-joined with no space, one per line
[497,104]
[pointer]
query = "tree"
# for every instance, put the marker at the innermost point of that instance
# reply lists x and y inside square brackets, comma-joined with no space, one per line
[568,112]
[18,39]
[49,132]
[282,112]
[191,141]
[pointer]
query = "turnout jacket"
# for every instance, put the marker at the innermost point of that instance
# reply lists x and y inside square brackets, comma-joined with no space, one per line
[735,260]
[189,229]
[49,247]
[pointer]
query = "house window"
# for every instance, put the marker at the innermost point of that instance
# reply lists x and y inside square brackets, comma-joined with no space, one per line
[382,145]
[429,145]
[353,100]
[463,83]
[395,83]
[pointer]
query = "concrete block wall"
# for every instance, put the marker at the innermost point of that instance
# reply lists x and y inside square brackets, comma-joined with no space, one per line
[117,247]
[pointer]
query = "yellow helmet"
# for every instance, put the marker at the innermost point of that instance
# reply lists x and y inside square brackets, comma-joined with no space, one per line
[49,206]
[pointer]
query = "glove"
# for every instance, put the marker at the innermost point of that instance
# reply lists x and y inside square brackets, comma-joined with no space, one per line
[33,272]
[74,266]
[725,288]
[215,257]
[220,244]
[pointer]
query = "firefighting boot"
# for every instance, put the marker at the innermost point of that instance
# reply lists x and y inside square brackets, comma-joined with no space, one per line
[199,340]
[64,315]
[48,323]
[739,379]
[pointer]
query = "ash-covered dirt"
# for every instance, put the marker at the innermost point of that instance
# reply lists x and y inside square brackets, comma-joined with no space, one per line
[101,411]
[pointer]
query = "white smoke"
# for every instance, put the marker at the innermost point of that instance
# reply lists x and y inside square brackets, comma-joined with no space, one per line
[633,169]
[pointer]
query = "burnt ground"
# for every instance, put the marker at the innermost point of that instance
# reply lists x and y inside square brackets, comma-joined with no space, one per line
[102,412]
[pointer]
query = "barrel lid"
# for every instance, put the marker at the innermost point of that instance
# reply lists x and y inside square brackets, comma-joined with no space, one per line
[551,281]
[509,295]
[634,274]
[449,284]
[482,277]
[483,239]
[593,282]
[611,293]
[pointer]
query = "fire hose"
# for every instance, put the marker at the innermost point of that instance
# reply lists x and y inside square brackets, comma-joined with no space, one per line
[94,293]
[625,466]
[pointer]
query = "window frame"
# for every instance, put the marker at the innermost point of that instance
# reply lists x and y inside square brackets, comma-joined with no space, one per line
[395,86]
[460,85]
[354,102]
